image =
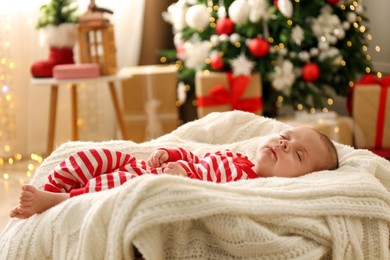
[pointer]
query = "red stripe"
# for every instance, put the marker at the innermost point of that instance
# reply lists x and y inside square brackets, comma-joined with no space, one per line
[52,188]
[153,170]
[69,181]
[77,169]
[119,158]
[122,177]
[110,180]
[207,166]
[187,169]
[99,162]
[214,167]
[228,170]
[239,174]
[135,167]
[109,159]
[98,186]
[192,168]
[87,162]
[380,124]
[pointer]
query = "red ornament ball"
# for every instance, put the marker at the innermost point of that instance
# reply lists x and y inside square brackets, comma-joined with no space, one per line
[259,47]
[216,62]
[224,26]
[310,72]
[332,2]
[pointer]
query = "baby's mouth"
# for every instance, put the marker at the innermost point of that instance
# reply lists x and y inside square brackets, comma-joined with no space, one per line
[274,152]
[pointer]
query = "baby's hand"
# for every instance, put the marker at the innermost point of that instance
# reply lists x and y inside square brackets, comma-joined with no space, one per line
[174,168]
[157,158]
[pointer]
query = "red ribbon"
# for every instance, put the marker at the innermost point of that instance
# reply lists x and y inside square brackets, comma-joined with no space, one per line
[219,95]
[380,123]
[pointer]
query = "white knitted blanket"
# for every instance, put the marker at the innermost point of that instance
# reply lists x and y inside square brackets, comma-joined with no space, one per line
[342,214]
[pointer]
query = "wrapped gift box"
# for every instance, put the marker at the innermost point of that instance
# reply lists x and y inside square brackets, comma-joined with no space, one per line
[337,128]
[220,92]
[149,101]
[76,71]
[371,112]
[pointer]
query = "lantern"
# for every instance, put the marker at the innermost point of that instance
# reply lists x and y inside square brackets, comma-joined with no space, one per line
[96,40]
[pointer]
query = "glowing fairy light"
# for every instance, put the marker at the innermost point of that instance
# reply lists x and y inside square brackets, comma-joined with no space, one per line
[30,167]
[5,88]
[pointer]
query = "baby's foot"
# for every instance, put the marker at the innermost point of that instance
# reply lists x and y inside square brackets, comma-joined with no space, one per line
[33,201]
[175,168]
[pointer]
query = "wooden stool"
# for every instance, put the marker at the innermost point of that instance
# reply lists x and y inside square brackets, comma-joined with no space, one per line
[55,83]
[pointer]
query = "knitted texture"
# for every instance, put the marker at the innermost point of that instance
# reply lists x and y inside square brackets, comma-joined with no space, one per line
[342,214]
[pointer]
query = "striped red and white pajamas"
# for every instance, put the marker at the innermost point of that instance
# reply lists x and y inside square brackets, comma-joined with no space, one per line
[101,169]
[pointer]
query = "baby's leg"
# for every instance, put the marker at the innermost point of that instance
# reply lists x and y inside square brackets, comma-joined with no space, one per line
[33,201]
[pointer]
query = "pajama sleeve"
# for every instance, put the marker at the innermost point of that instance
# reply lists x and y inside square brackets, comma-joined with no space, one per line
[180,154]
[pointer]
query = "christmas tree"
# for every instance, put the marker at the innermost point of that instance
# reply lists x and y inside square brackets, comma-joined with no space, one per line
[57,12]
[306,50]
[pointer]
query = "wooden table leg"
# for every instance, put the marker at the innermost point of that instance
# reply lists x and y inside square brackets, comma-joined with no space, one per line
[118,110]
[52,118]
[73,89]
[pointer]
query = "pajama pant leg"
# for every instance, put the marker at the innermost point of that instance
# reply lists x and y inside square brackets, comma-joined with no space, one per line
[76,171]
[104,182]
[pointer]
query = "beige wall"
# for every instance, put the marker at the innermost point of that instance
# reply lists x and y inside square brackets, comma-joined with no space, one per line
[157,33]
[379,26]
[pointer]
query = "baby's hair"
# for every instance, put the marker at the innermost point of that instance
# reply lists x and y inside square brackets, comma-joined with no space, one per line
[334,163]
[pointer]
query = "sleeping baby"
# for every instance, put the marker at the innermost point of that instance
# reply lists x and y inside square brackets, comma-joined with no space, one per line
[293,153]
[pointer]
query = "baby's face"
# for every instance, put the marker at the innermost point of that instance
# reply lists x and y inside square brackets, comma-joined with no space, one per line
[291,154]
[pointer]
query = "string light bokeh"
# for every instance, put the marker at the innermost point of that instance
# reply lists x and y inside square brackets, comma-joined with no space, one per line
[9,156]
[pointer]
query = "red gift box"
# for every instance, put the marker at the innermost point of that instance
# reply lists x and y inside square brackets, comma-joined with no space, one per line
[382,152]
[220,92]
[370,110]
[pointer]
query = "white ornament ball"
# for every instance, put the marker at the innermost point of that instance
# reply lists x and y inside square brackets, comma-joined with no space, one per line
[221,12]
[224,37]
[304,56]
[331,39]
[181,92]
[239,11]
[198,17]
[323,45]
[293,54]
[339,33]
[214,39]
[333,53]
[314,52]
[346,25]
[283,51]
[351,17]
[235,37]
[360,9]
[285,7]
[177,39]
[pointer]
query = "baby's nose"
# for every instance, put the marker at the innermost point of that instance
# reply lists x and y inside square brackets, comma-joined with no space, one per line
[283,144]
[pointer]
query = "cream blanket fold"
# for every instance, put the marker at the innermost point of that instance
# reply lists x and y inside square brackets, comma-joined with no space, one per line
[342,214]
